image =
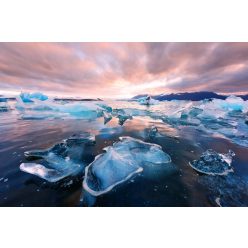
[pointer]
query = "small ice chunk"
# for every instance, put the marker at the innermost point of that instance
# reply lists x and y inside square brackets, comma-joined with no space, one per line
[61,160]
[122,115]
[153,132]
[147,100]
[120,162]
[107,117]
[213,163]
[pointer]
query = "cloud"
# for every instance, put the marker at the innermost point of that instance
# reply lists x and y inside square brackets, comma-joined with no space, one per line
[123,69]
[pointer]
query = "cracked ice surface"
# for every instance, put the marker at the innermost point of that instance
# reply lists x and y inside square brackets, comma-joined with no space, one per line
[120,162]
[61,160]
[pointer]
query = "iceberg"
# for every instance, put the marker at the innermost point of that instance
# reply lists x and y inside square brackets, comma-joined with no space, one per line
[119,163]
[147,101]
[30,97]
[62,160]
[49,108]
[213,163]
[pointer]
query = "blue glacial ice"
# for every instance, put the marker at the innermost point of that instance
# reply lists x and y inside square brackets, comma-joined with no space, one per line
[38,108]
[62,160]
[30,97]
[225,118]
[119,163]
[213,163]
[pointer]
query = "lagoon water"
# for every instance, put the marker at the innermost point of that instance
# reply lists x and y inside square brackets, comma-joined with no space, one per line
[173,184]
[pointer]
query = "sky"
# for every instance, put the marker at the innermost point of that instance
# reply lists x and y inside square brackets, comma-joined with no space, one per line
[123,70]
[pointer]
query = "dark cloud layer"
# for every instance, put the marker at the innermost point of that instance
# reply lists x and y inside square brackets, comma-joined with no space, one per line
[123,69]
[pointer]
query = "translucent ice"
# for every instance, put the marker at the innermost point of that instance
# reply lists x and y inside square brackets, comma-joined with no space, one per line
[119,162]
[107,117]
[213,163]
[29,97]
[122,115]
[48,108]
[153,132]
[50,175]
[62,160]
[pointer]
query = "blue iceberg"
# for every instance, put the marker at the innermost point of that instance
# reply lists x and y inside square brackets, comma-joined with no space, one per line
[119,163]
[30,97]
[61,160]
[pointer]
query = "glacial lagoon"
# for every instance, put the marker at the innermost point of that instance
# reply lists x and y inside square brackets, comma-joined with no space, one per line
[123,153]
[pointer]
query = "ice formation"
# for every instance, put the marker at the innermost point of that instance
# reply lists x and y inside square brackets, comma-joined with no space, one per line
[37,105]
[122,115]
[61,160]
[30,97]
[213,163]
[226,118]
[120,162]
[147,100]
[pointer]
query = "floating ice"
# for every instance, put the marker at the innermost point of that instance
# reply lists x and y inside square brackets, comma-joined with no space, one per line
[153,132]
[147,101]
[29,97]
[107,117]
[122,115]
[213,163]
[48,108]
[120,162]
[61,160]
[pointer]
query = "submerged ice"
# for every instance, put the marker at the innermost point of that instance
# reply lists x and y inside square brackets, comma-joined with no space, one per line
[120,162]
[63,159]
[213,163]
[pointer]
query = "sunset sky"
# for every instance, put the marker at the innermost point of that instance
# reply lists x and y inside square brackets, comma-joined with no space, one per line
[120,70]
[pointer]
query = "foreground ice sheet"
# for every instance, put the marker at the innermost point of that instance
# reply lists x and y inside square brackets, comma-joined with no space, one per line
[213,163]
[61,160]
[120,162]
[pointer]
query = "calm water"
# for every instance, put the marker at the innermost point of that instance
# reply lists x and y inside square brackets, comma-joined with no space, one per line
[175,184]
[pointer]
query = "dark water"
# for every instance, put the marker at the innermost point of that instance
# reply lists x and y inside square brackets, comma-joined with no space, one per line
[175,184]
